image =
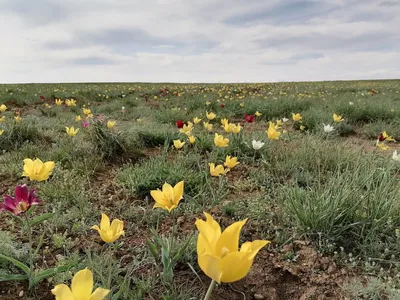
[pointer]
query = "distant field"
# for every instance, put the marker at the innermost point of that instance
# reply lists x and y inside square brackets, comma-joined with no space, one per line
[323,189]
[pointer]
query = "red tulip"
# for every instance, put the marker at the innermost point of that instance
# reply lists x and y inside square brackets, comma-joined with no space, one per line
[22,201]
[249,119]
[222,105]
[381,138]
[179,124]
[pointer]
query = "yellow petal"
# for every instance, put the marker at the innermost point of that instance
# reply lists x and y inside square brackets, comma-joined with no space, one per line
[210,265]
[117,227]
[253,247]
[229,239]
[105,222]
[159,197]
[178,192]
[99,294]
[62,292]
[168,191]
[95,227]
[82,284]
[28,167]
[235,266]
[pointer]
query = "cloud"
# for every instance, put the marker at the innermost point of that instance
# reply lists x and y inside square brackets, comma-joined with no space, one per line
[206,41]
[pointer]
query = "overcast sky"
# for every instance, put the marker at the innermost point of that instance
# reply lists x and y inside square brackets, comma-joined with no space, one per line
[198,40]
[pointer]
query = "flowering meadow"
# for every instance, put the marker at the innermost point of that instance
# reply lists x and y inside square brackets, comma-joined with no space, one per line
[200,191]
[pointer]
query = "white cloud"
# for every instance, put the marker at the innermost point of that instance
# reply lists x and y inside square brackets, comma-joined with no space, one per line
[205,41]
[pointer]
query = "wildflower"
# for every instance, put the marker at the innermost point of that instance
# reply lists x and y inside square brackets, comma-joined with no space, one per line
[1,131]
[37,170]
[387,137]
[208,102]
[220,141]
[110,124]
[179,123]
[78,118]
[85,124]
[296,117]
[47,105]
[210,116]
[81,288]
[231,162]
[22,202]
[17,118]
[272,133]
[217,171]
[207,126]
[224,121]
[178,144]
[70,102]
[196,120]
[279,123]
[258,114]
[249,118]
[222,105]
[257,145]
[218,253]
[169,197]
[382,146]
[2,119]
[90,116]
[109,232]
[3,108]
[71,131]
[186,129]
[59,102]
[274,126]
[86,111]
[228,127]
[337,118]
[396,156]
[284,120]
[302,127]
[237,128]
[328,128]
[192,139]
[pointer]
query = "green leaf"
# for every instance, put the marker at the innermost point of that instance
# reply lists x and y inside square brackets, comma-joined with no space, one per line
[153,249]
[13,277]
[39,245]
[179,254]
[48,273]
[17,263]
[40,219]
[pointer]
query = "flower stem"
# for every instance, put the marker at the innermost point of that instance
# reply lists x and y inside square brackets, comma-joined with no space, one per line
[210,290]
[29,232]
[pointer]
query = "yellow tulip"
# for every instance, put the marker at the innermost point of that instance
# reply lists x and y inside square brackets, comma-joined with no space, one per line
[272,133]
[224,122]
[337,118]
[17,118]
[110,124]
[274,126]
[220,141]
[192,139]
[71,131]
[70,102]
[218,253]
[228,127]
[236,129]
[208,102]
[231,162]
[208,126]
[178,144]
[302,127]
[78,118]
[86,111]
[47,105]
[218,170]
[2,119]
[388,137]
[210,116]
[169,197]
[37,170]
[59,102]
[196,120]
[296,117]
[186,129]
[1,131]
[109,232]
[3,108]
[81,288]
[258,113]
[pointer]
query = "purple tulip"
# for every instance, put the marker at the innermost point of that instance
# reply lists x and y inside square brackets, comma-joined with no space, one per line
[22,201]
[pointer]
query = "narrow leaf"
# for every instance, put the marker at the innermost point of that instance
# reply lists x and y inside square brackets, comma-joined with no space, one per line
[16,263]
[40,219]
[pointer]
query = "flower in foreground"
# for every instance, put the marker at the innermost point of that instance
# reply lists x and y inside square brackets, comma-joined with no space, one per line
[296,117]
[272,133]
[257,145]
[337,118]
[218,170]
[37,170]
[109,232]
[71,131]
[22,202]
[218,253]
[169,197]
[3,108]
[231,162]
[396,156]
[382,146]
[81,288]
[211,115]
[387,137]
[178,144]
[328,128]
[220,141]
[110,124]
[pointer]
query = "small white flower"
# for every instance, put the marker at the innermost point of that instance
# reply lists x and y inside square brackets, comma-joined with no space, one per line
[351,103]
[284,120]
[328,128]
[396,156]
[257,145]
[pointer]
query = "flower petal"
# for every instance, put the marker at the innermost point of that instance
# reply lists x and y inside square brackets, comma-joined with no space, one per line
[178,192]
[105,222]
[21,193]
[99,294]
[62,292]
[82,284]
[168,191]
[253,247]
[117,227]
[229,239]
[159,197]
[210,265]
[235,266]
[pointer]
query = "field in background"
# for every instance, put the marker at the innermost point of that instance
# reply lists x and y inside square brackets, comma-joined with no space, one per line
[329,202]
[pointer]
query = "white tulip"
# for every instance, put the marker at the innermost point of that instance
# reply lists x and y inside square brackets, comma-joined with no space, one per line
[396,156]
[257,145]
[285,120]
[328,128]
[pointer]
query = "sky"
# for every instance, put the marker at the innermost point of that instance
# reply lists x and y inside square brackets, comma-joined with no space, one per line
[198,40]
